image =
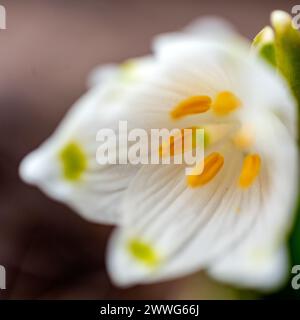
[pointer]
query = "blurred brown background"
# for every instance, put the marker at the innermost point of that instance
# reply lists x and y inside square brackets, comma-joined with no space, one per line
[46,52]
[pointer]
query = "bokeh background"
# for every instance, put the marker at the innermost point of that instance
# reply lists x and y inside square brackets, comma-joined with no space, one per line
[46,53]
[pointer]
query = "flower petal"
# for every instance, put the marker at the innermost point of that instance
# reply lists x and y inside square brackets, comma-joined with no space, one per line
[187,67]
[65,165]
[211,27]
[261,260]
[176,79]
[261,268]
[184,228]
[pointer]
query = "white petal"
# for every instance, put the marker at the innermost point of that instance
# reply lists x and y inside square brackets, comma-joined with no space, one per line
[96,195]
[207,30]
[159,213]
[202,64]
[191,229]
[262,90]
[260,261]
[188,228]
[188,67]
[132,70]
[182,73]
[264,268]
[102,74]
[212,27]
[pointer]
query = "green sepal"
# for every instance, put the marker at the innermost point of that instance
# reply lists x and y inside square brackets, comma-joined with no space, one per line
[264,45]
[287,50]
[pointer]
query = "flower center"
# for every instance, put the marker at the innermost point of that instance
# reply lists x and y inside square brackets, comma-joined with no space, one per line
[211,166]
[224,103]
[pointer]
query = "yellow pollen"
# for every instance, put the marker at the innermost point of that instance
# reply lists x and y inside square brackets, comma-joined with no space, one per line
[225,103]
[212,165]
[190,106]
[250,170]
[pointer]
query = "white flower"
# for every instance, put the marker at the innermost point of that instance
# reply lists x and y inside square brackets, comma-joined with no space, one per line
[65,165]
[233,218]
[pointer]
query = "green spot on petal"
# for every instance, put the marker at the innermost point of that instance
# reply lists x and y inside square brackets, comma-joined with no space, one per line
[73,161]
[143,252]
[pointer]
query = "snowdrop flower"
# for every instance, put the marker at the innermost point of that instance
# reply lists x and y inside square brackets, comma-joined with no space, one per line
[65,166]
[233,218]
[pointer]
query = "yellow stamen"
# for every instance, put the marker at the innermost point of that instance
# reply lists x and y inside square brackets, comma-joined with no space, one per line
[212,165]
[190,106]
[225,103]
[250,170]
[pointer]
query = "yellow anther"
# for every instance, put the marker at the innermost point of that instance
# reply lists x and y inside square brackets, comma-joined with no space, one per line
[211,166]
[250,170]
[225,103]
[190,106]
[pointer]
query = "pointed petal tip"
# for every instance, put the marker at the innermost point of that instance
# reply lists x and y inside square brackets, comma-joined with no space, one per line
[266,35]
[280,20]
[37,167]
[122,270]
[28,168]
[267,275]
